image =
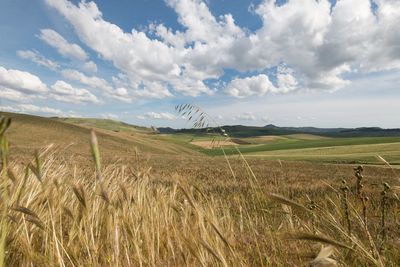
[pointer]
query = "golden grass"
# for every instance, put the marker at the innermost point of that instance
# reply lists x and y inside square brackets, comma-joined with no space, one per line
[191,211]
[29,133]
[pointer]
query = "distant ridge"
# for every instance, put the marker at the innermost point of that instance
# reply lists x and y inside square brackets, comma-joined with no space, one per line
[270,129]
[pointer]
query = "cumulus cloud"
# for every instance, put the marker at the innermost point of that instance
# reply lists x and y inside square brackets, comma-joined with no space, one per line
[63,47]
[38,58]
[261,84]
[21,86]
[318,42]
[323,43]
[255,85]
[63,91]
[147,62]
[157,116]
[21,81]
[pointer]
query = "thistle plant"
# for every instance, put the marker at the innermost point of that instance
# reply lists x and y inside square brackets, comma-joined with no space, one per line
[359,180]
[384,208]
[345,205]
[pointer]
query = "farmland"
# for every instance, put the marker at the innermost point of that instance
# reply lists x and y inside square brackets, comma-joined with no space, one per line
[301,147]
[147,199]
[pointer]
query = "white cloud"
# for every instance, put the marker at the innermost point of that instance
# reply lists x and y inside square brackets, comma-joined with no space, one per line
[120,92]
[285,79]
[63,91]
[255,85]
[63,47]
[29,108]
[14,95]
[90,66]
[261,84]
[323,45]
[246,116]
[127,90]
[157,116]
[9,109]
[92,81]
[21,86]
[109,116]
[146,62]
[318,43]
[33,109]
[38,58]
[21,81]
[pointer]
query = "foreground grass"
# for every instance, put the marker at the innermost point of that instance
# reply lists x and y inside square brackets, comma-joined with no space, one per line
[200,214]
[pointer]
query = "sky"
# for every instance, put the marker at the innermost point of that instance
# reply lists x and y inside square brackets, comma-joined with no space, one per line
[252,62]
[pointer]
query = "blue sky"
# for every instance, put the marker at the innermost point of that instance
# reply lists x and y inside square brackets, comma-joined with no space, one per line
[290,63]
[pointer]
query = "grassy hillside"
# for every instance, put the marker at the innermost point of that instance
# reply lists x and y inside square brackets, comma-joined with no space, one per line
[106,124]
[28,133]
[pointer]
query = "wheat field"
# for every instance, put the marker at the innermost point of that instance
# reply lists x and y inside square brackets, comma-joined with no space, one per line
[191,210]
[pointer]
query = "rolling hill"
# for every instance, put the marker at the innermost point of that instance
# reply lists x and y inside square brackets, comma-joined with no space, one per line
[70,136]
[28,133]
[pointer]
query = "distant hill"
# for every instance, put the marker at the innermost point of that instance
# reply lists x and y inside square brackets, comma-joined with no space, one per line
[253,131]
[167,130]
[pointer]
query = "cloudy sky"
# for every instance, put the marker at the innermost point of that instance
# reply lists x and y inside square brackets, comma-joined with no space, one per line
[291,63]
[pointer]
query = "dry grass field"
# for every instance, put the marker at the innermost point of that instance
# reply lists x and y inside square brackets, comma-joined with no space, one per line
[29,133]
[125,198]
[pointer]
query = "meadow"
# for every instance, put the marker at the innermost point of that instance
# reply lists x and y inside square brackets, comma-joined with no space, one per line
[130,197]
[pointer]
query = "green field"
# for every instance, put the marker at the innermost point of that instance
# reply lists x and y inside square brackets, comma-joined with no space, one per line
[304,148]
